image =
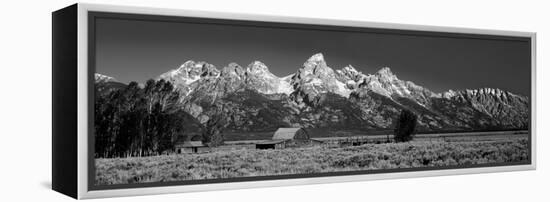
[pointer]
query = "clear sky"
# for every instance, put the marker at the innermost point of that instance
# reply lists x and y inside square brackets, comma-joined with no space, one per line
[137,50]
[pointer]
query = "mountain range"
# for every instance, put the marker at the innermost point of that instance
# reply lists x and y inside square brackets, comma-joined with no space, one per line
[251,98]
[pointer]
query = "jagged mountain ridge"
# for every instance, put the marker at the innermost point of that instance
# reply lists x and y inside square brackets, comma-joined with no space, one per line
[184,77]
[313,78]
[498,104]
[318,96]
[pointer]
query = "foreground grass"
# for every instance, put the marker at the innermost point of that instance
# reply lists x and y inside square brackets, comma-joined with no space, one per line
[244,163]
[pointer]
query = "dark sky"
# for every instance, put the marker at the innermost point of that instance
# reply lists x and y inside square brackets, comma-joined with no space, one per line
[132,50]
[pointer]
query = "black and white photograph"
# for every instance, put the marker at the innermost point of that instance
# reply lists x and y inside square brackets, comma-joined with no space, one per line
[275,101]
[199,100]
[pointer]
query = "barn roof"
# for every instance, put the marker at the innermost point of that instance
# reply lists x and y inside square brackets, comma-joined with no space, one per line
[285,133]
[192,144]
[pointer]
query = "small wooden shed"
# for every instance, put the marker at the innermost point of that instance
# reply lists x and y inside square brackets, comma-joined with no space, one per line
[270,144]
[191,147]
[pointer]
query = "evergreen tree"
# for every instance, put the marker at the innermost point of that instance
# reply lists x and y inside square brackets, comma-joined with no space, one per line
[405,126]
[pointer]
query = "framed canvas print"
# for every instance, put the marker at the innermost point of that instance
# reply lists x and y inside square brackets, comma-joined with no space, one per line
[149,101]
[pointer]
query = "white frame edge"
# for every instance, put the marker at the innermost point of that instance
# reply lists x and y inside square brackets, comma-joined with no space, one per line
[82,105]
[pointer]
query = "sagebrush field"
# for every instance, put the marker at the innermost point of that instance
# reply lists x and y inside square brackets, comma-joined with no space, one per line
[316,159]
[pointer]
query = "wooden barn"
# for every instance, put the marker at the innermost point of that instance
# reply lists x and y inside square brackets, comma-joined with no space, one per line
[189,147]
[285,137]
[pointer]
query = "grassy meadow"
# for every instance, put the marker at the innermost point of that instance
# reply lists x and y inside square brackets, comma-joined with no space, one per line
[315,159]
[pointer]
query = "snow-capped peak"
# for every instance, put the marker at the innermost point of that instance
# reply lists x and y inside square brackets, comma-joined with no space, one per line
[317,66]
[189,72]
[350,69]
[317,58]
[349,73]
[449,94]
[103,78]
[257,67]
[233,70]
[259,77]
[385,82]
[316,77]
[192,69]
[385,71]
[186,64]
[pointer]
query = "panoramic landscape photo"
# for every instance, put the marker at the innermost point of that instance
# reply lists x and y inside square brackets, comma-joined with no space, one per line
[182,101]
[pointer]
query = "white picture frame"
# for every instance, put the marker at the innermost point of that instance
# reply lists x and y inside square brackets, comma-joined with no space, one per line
[81,165]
